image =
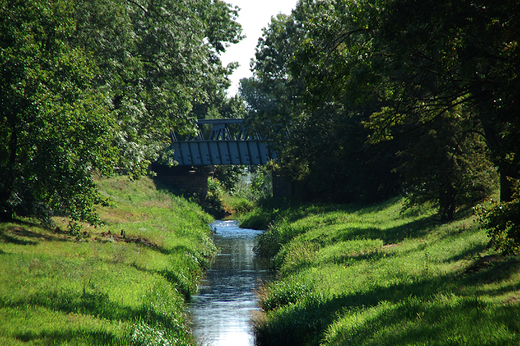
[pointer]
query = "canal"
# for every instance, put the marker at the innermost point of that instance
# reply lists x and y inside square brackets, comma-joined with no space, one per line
[223,308]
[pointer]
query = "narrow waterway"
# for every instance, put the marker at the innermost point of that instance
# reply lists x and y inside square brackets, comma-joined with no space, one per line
[223,308]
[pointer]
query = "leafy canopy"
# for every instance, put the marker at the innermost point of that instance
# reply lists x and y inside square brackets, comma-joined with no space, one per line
[392,71]
[90,86]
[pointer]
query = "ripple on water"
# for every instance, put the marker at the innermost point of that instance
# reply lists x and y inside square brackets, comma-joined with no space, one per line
[222,309]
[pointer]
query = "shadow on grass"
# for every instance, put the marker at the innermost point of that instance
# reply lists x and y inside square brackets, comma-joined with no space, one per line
[415,313]
[69,336]
[410,230]
[370,255]
[173,250]
[23,236]
[291,211]
[96,304]
[183,280]
[378,207]
[305,323]
[468,253]
[490,269]
[433,323]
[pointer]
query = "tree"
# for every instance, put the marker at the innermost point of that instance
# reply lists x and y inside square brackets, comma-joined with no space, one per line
[158,59]
[272,94]
[448,166]
[54,128]
[421,64]
[92,85]
[440,55]
[294,98]
[446,55]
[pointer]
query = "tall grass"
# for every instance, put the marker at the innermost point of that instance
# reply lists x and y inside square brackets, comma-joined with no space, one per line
[375,276]
[125,283]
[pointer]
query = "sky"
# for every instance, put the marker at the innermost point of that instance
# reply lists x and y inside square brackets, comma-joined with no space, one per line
[254,15]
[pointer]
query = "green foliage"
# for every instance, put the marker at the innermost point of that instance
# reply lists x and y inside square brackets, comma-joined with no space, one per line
[239,205]
[448,167]
[260,186]
[271,93]
[55,126]
[212,203]
[431,65]
[92,85]
[321,143]
[284,293]
[375,276]
[237,195]
[229,176]
[502,220]
[158,59]
[357,82]
[269,241]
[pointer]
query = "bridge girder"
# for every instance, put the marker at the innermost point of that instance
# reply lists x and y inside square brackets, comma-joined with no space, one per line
[223,146]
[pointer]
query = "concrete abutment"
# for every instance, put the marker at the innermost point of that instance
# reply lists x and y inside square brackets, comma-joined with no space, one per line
[194,180]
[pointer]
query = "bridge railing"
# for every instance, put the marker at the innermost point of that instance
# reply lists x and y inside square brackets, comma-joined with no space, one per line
[229,143]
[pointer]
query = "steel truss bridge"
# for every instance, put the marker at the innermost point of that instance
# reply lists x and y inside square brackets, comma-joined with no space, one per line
[228,143]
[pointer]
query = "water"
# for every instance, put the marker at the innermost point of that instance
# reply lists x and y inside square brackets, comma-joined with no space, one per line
[223,309]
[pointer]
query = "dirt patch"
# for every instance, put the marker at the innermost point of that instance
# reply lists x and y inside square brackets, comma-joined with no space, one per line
[106,237]
[122,237]
[389,246]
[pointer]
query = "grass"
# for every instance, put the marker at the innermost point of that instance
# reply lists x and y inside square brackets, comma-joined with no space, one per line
[236,205]
[125,283]
[375,276]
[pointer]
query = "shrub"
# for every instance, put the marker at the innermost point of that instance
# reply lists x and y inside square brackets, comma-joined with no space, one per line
[503,223]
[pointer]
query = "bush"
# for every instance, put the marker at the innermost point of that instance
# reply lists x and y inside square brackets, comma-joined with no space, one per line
[256,219]
[503,223]
[238,205]
[212,204]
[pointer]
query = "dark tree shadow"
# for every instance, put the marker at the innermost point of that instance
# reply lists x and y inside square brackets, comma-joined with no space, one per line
[24,236]
[55,337]
[306,322]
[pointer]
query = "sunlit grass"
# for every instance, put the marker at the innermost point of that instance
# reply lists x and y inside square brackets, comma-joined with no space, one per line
[377,276]
[124,283]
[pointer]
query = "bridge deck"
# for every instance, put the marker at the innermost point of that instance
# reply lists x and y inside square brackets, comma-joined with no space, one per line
[230,152]
[223,147]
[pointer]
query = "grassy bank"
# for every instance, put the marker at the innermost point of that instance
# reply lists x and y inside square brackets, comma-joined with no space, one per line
[124,283]
[375,276]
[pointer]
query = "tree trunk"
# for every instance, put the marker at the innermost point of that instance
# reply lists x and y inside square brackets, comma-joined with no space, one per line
[506,185]
[8,177]
[447,204]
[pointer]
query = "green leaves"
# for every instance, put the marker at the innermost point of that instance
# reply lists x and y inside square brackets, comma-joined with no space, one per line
[54,124]
[158,59]
[302,98]
[358,80]
[503,223]
[89,86]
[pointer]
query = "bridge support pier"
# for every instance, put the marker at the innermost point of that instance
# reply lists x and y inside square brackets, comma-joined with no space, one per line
[282,186]
[185,179]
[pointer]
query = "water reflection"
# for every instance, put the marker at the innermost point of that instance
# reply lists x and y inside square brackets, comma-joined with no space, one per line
[222,310]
